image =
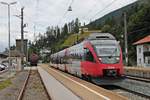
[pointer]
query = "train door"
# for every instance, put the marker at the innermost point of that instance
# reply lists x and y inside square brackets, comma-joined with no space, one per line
[88,64]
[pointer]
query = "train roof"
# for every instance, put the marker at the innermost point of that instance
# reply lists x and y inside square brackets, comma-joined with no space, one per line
[104,38]
[101,36]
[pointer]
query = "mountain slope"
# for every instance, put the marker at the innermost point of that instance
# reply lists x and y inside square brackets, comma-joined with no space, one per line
[138,24]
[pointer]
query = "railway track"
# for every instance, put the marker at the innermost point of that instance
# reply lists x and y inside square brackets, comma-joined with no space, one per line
[136,86]
[138,78]
[132,95]
[20,96]
[38,90]
[129,92]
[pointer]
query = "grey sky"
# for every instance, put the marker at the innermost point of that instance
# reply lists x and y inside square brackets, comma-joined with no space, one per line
[43,13]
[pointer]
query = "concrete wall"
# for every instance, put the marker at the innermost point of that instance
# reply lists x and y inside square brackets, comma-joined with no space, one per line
[18,68]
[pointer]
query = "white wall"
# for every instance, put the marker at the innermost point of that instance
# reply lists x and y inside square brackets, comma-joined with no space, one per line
[140,60]
[140,55]
[147,48]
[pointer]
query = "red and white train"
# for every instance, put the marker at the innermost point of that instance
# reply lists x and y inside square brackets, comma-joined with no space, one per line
[98,58]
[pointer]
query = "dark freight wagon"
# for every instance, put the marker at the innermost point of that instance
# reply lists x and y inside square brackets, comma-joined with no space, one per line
[34,59]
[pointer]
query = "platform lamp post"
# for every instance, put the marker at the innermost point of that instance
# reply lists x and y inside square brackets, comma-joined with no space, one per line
[8,4]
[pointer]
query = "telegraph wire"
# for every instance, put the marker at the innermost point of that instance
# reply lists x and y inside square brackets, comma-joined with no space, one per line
[89,11]
[107,6]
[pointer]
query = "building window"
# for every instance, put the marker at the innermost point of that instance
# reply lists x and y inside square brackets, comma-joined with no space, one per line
[146,48]
[148,60]
[140,61]
[139,50]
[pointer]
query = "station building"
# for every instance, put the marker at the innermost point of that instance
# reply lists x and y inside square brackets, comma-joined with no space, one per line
[143,51]
[2,57]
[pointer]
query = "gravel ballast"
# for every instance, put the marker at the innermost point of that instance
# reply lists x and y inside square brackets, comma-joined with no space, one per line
[35,89]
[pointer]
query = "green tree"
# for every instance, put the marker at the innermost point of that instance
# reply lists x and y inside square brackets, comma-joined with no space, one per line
[106,28]
[65,30]
[58,32]
[76,27]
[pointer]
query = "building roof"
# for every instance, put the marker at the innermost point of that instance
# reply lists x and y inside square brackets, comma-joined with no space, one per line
[144,40]
[3,55]
[14,53]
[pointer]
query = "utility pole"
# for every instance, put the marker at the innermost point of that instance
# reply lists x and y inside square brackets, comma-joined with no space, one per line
[9,34]
[34,32]
[22,39]
[8,4]
[126,38]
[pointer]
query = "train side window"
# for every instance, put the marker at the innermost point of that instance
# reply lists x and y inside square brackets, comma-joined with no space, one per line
[88,55]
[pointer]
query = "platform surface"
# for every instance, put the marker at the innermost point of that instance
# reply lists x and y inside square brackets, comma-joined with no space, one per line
[56,90]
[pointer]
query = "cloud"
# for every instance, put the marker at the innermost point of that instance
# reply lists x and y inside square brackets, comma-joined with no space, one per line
[43,13]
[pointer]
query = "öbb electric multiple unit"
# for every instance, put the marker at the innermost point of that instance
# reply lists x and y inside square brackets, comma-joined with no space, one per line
[98,58]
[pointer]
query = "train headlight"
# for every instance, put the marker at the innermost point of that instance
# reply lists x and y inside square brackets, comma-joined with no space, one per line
[117,58]
[100,59]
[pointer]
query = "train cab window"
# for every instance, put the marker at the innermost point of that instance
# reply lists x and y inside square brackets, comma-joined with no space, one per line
[88,56]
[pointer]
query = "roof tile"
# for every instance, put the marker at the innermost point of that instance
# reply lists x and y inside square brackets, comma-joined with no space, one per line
[144,40]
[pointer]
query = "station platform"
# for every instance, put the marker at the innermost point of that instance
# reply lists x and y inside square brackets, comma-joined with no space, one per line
[62,86]
[56,90]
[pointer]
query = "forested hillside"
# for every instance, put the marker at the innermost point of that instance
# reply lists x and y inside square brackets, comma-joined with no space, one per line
[53,39]
[138,24]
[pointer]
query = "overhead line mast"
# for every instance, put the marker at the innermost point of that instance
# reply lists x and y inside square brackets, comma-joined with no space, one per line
[126,38]
[22,39]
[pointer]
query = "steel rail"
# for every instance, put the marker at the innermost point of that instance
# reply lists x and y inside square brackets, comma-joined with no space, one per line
[20,96]
[138,78]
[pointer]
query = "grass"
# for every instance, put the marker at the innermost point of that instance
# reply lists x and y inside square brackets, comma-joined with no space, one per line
[5,84]
[70,40]
[73,38]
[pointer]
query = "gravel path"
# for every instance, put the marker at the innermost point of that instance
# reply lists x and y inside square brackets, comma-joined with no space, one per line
[11,92]
[35,89]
